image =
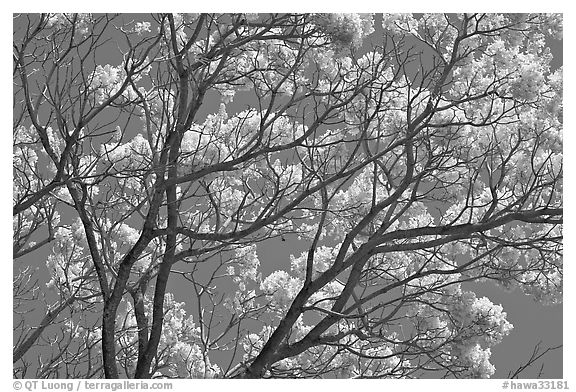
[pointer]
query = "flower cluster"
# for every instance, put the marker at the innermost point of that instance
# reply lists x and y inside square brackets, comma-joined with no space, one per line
[345,29]
[133,155]
[244,266]
[281,289]
[81,22]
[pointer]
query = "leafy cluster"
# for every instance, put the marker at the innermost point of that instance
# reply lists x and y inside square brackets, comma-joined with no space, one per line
[404,158]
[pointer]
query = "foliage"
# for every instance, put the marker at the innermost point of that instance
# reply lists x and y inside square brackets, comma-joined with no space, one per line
[407,155]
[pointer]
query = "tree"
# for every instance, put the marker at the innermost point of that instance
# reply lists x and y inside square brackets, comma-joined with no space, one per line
[407,155]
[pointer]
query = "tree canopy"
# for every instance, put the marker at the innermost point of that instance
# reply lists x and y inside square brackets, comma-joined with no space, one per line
[404,156]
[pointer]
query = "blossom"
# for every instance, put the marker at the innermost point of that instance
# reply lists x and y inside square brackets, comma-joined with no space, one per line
[64,195]
[544,287]
[248,264]
[117,134]
[126,234]
[528,83]
[135,154]
[281,288]
[81,22]
[228,95]
[290,175]
[143,263]
[252,17]
[324,256]
[554,25]
[142,27]
[253,343]
[400,23]
[478,360]
[345,29]
[106,81]
[483,321]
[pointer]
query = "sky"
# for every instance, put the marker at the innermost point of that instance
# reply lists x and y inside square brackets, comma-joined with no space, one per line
[533,322]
